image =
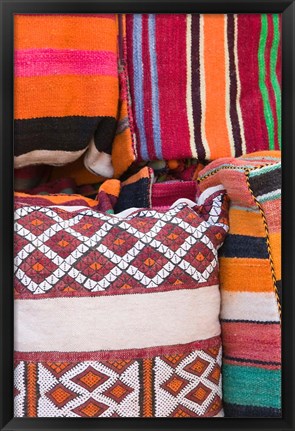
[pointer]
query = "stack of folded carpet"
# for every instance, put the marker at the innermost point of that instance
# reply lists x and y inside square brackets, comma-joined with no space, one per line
[148,215]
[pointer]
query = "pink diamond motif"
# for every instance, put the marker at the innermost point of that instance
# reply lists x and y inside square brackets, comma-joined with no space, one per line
[36,222]
[94,265]
[150,262]
[172,236]
[88,226]
[63,243]
[37,266]
[119,241]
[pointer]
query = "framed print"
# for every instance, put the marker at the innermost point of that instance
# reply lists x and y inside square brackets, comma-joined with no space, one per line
[147,189]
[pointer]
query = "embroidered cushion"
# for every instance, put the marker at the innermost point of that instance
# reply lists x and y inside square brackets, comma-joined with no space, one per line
[118,315]
[250,282]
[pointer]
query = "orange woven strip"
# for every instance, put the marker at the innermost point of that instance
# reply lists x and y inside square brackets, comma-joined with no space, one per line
[147,388]
[31,389]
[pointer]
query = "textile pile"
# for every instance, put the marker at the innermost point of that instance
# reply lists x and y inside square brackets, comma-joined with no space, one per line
[148,215]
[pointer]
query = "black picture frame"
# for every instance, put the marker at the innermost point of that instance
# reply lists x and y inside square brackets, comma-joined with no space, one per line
[10,7]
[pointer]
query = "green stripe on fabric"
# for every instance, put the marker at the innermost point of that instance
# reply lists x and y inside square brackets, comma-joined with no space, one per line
[263,170]
[251,386]
[273,76]
[262,85]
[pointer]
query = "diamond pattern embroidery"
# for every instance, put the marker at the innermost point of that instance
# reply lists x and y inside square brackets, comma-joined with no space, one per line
[90,379]
[38,266]
[60,395]
[88,388]
[175,385]
[91,409]
[59,251]
[184,386]
[199,394]
[118,388]
[63,243]
[36,222]
[118,391]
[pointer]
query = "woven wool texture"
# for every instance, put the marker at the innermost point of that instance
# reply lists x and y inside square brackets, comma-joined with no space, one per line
[200,82]
[126,281]
[250,282]
[66,89]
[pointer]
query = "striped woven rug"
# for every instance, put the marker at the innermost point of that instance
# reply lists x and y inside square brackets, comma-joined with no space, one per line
[250,283]
[200,82]
[66,89]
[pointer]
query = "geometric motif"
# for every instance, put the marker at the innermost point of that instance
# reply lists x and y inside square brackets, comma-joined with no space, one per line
[59,251]
[77,253]
[182,385]
[88,389]
[186,388]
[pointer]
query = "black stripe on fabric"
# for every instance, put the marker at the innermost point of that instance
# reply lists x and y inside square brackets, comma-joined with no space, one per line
[196,84]
[235,410]
[266,182]
[233,85]
[251,361]
[279,289]
[249,321]
[105,134]
[134,195]
[56,133]
[244,246]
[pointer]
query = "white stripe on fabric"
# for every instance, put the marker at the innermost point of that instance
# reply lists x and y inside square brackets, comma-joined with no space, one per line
[256,306]
[128,321]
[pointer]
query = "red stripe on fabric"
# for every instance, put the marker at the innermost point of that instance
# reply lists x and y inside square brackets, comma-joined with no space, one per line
[147,88]
[44,62]
[172,72]
[269,86]
[252,341]
[279,59]
[167,193]
[249,27]
[113,291]
[122,354]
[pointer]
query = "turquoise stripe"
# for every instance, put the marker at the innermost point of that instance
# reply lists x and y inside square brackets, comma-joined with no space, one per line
[155,87]
[265,169]
[232,167]
[138,83]
[265,198]
[251,386]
